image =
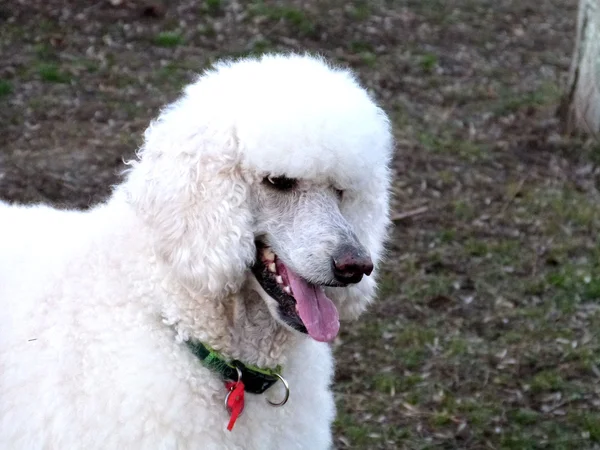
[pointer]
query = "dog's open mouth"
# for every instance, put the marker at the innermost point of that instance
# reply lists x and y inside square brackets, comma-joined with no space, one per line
[302,305]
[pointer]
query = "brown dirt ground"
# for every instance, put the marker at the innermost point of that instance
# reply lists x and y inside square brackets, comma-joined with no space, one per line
[485,335]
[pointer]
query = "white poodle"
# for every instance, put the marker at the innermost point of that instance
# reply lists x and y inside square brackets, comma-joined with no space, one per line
[253,221]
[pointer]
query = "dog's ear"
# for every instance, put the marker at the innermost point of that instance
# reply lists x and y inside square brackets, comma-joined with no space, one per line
[187,187]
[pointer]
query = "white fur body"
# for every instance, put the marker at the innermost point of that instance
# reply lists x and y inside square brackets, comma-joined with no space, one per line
[90,364]
[95,306]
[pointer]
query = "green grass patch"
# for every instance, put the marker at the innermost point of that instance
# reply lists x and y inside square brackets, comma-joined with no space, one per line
[588,423]
[356,432]
[360,10]
[168,39]
[296,18]
[207,29]
[547,94]
[45,52]
[171,74]
[594,154]
[430,286]
[386,383]
[524,416]
[412,358]
[564,211]
[213,6]
[5,88]
[547,381]
[463,210]
[410,345]
[574,283]
[52,74]
[520,440]
[476,247]
[255,49]
[387,285]
[445,143]
[457,347]
[357,46]
[428,62]
[365,50]
[440,419]
[369,59]
[261,46]
[447,236]
[91,66]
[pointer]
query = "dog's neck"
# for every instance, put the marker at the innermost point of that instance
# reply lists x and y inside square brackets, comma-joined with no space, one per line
[238,326]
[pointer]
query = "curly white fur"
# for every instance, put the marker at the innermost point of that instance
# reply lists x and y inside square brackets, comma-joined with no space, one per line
[95,305]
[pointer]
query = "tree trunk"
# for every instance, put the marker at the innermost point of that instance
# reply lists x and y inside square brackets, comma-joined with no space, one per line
[581,105]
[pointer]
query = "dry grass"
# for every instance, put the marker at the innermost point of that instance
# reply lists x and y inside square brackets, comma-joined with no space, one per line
[486,332]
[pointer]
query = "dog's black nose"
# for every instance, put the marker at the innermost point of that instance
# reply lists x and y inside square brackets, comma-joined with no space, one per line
[350,264]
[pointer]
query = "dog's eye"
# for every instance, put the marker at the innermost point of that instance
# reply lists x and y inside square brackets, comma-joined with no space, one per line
[339,193]
[281,183]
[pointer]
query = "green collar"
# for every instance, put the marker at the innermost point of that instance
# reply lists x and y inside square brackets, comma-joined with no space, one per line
[256,380]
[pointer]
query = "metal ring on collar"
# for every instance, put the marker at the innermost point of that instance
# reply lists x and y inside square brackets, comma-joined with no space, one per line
[287,393]
[239,372]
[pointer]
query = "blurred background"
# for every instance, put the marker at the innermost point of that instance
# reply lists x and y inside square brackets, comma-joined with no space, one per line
[485,334]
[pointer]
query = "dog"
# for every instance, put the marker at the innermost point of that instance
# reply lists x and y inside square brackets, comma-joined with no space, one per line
[194,308]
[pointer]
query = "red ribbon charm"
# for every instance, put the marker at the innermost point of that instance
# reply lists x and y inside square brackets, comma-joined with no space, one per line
[234,401]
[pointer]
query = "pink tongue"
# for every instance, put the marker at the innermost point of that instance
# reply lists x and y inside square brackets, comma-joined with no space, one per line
[318,313]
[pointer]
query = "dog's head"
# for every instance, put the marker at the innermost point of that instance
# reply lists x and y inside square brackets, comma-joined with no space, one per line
[273,172]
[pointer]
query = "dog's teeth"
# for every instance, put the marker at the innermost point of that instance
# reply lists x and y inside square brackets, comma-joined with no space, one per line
[279,279]
[272,267]
[287,290]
